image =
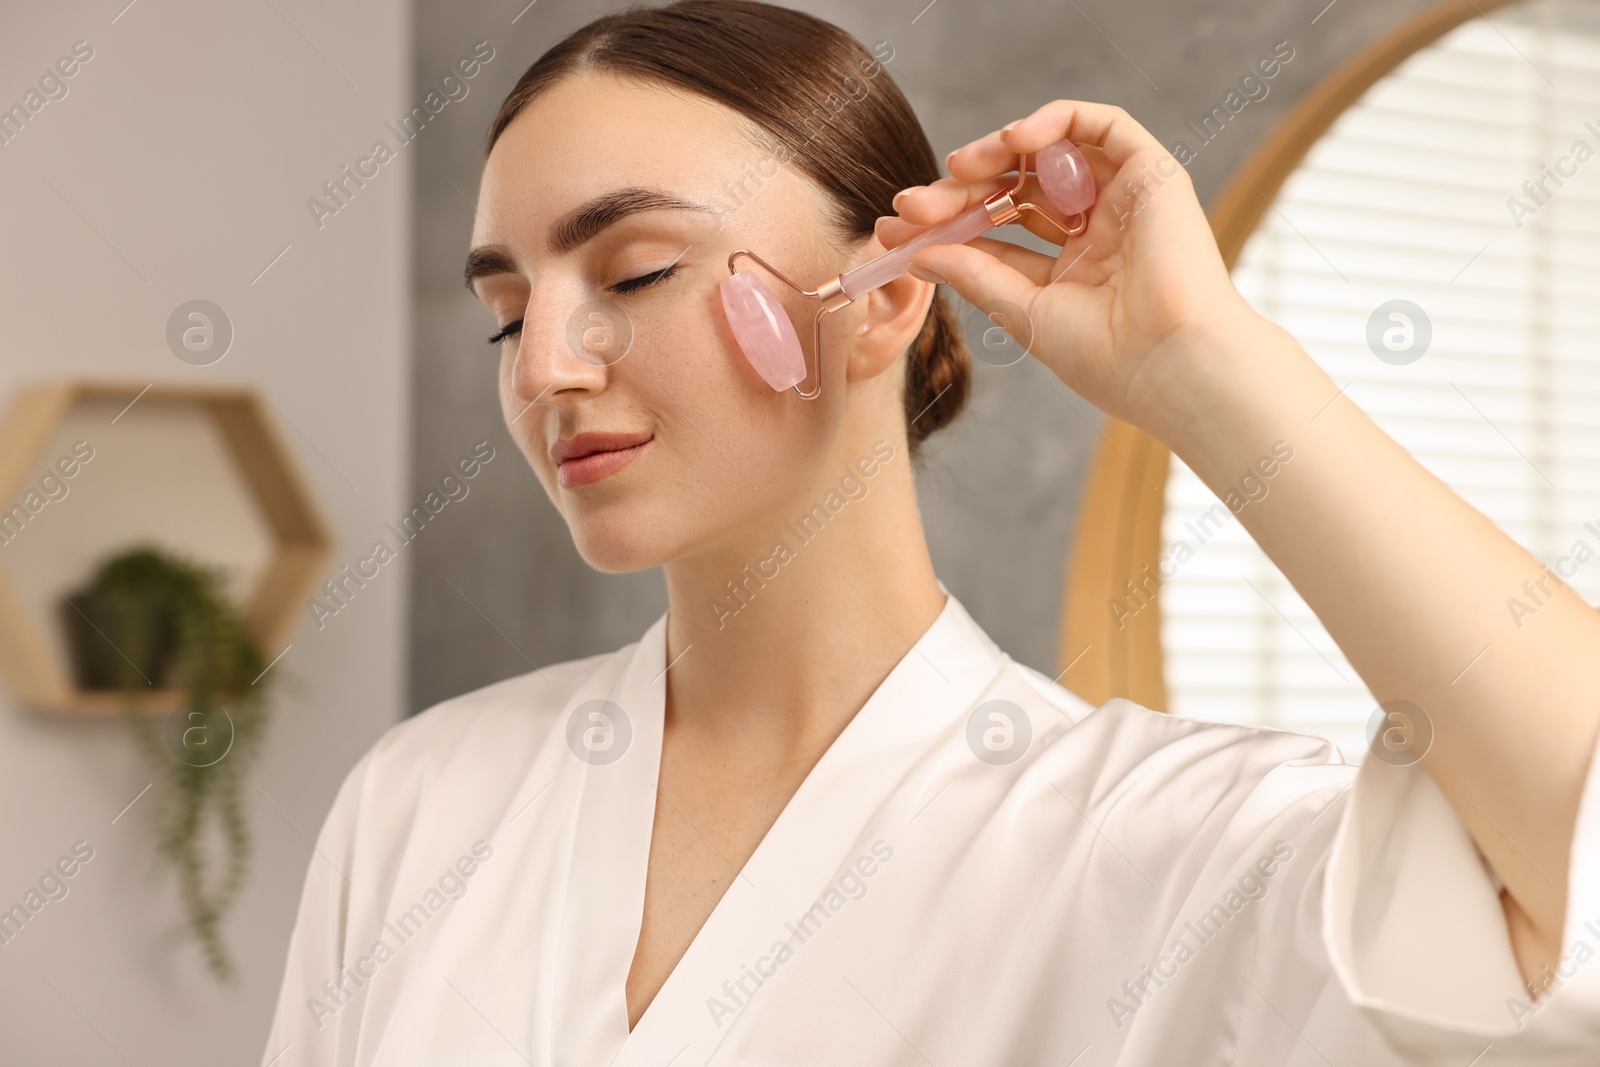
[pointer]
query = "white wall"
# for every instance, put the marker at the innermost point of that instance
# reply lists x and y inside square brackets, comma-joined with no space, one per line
[178,166]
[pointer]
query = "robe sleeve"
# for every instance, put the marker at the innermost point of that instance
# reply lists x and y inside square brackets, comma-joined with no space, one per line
[1415,932]
[313,1026]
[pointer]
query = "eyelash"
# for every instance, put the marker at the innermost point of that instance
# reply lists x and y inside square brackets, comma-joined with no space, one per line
[622,288]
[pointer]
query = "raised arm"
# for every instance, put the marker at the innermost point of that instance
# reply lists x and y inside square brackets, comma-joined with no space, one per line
[1139,316]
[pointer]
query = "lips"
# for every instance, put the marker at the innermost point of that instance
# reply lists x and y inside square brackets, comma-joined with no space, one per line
[585,444]
[589,457]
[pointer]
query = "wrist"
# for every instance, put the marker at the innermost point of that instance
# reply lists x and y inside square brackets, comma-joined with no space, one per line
[1232,381]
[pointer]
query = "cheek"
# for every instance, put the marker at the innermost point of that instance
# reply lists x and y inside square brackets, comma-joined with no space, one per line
[684,354]
[703,388]
[510,406]
[730,445]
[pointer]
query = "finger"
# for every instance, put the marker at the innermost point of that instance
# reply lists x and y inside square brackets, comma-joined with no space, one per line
[891,232]
[1104,126]
[1099,165]
[982,279]
[928,205]
[1035,266]
[980,159]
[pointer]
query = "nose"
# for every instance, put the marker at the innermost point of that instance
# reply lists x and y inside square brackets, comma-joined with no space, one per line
[568,347]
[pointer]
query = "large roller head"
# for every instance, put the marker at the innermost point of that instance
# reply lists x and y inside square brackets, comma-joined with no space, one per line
[763,330]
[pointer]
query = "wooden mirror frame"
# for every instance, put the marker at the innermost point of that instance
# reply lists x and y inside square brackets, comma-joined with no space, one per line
[1119,518]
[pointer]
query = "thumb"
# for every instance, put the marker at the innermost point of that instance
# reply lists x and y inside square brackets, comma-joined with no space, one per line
[981,279]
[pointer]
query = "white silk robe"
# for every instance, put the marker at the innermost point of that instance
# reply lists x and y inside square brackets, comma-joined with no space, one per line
[957,882]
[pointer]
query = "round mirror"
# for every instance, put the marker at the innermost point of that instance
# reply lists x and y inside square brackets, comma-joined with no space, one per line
[1427,225]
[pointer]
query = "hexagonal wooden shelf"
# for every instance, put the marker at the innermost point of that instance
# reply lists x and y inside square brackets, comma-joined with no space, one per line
[229,438]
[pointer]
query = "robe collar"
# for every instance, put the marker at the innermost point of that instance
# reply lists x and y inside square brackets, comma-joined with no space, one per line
[926,696]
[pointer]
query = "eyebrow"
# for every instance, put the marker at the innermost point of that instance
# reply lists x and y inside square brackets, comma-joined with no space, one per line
[579,226]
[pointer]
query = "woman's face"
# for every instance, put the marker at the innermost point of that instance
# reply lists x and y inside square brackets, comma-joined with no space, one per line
[607,212]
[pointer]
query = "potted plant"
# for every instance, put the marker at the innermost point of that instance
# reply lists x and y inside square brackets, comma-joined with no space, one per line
[149,620]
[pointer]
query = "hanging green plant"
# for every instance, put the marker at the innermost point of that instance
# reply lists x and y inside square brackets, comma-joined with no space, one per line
[169,623]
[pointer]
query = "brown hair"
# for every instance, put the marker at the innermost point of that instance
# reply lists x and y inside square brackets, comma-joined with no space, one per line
[827,103]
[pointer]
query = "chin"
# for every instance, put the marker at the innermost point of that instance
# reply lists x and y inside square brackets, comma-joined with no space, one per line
[618,548]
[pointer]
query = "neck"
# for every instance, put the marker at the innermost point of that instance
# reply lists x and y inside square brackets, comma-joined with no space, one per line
[776,638]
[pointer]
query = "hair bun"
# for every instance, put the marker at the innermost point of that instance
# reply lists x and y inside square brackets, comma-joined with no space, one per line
[938,373]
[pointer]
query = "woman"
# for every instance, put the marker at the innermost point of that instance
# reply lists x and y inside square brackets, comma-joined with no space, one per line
[814,815]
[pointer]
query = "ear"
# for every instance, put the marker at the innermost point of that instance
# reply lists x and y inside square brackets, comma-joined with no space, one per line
[889,319]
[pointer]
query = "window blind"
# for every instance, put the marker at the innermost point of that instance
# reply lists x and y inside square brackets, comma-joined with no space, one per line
[1413,194]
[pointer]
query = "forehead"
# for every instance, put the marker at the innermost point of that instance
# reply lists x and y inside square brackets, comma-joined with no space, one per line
[595,131]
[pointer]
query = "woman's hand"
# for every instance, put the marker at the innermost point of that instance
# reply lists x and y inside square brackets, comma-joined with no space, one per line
[1139,316]
[1115,314]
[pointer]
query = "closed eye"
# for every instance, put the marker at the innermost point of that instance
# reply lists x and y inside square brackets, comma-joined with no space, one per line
[622,288]
[633,285]
[508,330]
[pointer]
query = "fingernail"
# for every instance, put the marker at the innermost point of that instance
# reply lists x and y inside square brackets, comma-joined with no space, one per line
[1008,127]
[903,192]
[949,157]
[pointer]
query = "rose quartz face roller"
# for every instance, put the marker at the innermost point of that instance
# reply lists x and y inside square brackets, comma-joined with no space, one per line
[767,337]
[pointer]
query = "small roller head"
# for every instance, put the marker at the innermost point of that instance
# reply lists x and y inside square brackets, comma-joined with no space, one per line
[1065,177]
